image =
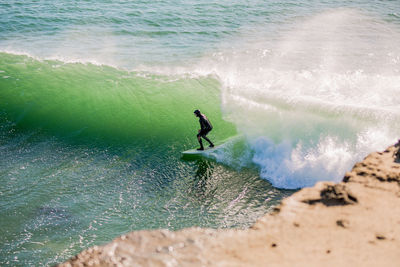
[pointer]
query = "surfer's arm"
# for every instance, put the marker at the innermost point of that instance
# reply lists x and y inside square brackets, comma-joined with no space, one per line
[203,123]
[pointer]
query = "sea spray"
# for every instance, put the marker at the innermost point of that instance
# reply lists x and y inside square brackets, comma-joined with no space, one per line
[315,98]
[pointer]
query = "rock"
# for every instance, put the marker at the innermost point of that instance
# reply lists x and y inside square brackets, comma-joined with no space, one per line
[352,223]
[333,195]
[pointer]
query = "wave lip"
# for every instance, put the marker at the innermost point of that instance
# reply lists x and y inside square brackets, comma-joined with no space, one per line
[85,99]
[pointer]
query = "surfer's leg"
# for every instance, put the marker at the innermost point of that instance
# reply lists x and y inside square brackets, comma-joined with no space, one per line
[200,142]
[201,145]
[208,140]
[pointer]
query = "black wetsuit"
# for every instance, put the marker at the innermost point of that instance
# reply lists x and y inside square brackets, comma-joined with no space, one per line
[205,125]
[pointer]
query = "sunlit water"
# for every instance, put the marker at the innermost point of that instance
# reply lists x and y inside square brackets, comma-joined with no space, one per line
[97,100]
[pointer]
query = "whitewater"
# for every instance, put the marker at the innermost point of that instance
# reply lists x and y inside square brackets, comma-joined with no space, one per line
[97,101]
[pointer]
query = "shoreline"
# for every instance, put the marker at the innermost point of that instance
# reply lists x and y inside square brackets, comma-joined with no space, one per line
[354,222]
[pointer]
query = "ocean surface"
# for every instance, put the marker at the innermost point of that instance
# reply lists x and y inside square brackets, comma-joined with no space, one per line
[97,101]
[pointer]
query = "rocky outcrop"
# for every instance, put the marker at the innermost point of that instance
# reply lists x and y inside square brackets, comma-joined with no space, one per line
[353,223]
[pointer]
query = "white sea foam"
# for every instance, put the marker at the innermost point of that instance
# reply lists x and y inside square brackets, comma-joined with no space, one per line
[315,98]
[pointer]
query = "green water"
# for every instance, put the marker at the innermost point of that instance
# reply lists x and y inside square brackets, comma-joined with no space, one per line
[103,101]
[97,101]
[91,152]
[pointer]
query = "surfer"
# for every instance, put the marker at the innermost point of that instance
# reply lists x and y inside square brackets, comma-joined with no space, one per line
[205,126]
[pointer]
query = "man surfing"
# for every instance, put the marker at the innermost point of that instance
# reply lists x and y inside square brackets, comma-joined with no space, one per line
[205,126]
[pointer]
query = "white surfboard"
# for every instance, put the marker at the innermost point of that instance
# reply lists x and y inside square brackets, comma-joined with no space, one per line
[208,151]
[199,152]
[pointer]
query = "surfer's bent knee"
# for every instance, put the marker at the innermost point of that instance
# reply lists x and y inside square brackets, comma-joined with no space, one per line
[203,133]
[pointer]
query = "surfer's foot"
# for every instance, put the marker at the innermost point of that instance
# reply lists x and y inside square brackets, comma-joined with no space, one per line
[211,145]
[201,148]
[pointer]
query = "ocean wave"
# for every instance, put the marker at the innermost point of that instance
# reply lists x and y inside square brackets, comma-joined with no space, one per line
[86,99]
[311,100]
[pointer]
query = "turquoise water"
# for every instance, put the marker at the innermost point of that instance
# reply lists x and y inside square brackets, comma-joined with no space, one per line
[97,100]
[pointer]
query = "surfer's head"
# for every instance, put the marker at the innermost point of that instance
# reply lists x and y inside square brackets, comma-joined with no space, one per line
[197,112]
